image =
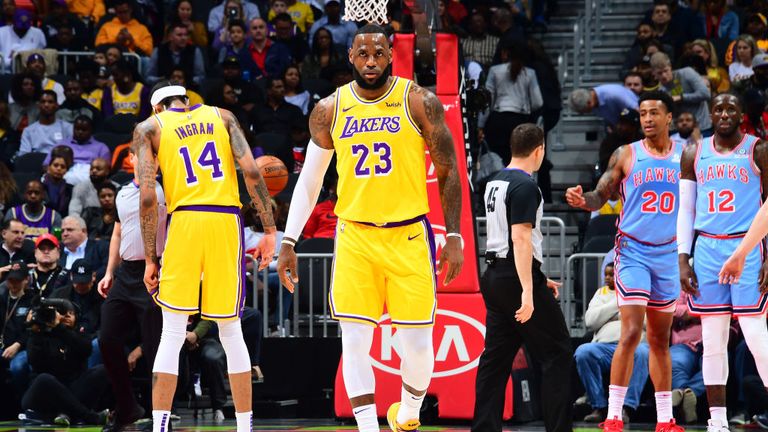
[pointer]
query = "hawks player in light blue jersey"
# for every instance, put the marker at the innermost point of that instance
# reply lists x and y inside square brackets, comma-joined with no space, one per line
[721,190]
[646,173]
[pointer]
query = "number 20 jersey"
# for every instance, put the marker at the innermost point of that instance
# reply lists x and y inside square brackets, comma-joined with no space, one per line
[650,195]
[728,188]
[196,159]
[381,156]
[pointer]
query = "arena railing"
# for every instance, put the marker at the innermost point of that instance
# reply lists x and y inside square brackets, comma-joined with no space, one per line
[63,56]
[573,303]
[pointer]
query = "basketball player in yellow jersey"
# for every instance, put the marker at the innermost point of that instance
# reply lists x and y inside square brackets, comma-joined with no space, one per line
[196,148]
[379,126]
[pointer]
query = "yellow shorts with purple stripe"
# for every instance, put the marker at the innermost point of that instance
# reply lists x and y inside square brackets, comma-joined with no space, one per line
[377,266]
[203,266]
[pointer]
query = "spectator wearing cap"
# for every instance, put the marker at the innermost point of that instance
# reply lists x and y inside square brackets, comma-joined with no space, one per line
[236,50]
[606,101]
[627,130]
[75,104]
[176,52]
[38,219]
[759,80]
[19,37]
[44,134]
[85,149]
[342,31]
[271,57]
[300,12]
[74,237]
[36,66]
[687,129]
[287,33]
[14,247]
[216,17]
[687,88]
[15,302]
[59,17]
[88,10]
[48,275]
[126,95]
[275,115]
[125,31]
[246,92]
[756,26]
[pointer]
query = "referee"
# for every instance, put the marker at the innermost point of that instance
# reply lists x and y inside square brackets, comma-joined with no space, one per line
[520,302]
[128,303]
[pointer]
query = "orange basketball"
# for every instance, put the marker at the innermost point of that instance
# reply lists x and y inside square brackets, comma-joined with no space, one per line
[274,172]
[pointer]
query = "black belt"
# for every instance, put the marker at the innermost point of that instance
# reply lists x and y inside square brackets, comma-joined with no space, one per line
[495,261]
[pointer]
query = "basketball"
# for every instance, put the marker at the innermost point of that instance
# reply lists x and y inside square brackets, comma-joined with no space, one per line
[274,172]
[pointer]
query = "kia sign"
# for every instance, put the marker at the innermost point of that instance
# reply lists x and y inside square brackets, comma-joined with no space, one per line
[458,340]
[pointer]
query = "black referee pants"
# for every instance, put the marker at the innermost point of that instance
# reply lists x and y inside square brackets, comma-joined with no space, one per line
[546,338]
[128,305]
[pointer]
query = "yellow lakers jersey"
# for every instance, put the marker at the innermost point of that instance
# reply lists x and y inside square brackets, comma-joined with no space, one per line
[380,156]
[94,97]
[127,103]
[196,158]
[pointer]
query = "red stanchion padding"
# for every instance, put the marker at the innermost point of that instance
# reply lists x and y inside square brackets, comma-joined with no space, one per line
[402,55]
[467,281]
[447,67]
[458,338]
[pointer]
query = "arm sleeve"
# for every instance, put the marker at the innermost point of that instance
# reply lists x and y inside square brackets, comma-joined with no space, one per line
[686,216]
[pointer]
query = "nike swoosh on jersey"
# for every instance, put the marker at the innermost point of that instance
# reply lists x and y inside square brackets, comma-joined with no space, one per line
[348,108]
[411,238]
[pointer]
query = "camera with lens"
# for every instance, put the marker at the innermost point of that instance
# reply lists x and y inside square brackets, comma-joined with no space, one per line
[478,99]
[43,311]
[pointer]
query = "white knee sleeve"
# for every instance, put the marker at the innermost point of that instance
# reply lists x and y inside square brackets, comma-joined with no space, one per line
[756,334]
[231,337]
[356,340]
[418,356]
[171,340]
[714,364]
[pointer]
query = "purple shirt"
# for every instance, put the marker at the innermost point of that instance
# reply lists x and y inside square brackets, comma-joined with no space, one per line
[84,153]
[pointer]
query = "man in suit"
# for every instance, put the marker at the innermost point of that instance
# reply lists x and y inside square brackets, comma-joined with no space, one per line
[14,246]
[74,236]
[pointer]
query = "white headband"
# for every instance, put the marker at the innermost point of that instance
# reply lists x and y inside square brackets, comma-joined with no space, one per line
[165,92]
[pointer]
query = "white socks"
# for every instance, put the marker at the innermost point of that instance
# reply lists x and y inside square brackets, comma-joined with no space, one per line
[410,405]
[616,395]
[160,420]
[664,406]
[366,419]
[719,414]
[244,421]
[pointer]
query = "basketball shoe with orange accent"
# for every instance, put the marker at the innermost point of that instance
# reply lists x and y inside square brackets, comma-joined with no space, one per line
[669,426]
[409,426]
[615,425]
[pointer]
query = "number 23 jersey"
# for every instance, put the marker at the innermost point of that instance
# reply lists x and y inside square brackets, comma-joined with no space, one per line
[381,156]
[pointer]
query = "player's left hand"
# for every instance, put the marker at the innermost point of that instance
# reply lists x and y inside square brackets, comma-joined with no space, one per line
[150,276]
[555,287]
[731,270]
[265,250]
[453,257]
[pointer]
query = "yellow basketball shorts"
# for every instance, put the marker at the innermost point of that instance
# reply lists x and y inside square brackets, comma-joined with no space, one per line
[377,266]
[203,266]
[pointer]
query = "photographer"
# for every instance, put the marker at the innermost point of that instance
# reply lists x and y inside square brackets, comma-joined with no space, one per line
[15,302]
[48,275]
[58,353]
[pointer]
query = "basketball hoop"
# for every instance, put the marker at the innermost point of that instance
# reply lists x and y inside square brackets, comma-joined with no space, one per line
[374,11]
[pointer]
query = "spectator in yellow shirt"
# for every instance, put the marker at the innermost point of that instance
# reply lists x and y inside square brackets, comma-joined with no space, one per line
[125,31]
[300,12]
[87,9]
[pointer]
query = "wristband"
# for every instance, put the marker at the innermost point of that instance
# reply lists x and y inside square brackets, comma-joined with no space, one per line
[458,236]
[288,241]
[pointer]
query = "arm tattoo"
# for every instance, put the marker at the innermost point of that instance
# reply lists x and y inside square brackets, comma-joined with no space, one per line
[608,184]
[320,122]
[257,189]
[146,166]
[440,143]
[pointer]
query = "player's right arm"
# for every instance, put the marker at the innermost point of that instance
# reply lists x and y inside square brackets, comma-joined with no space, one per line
[686,215]
[606,187]
[319,155]
[146,136]
[257,189]
[105,284]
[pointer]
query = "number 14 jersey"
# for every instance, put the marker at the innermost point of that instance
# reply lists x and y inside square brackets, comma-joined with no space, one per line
[650,195]
[195,157]
[381,156]
[728,188]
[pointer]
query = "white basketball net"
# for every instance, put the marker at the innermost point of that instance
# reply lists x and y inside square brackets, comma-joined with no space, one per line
[374,11]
